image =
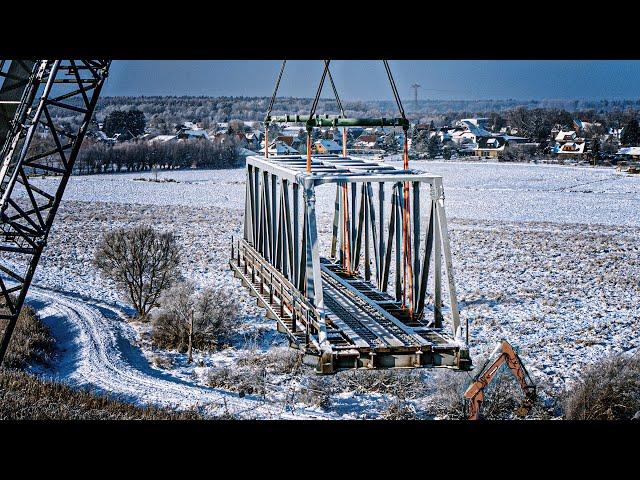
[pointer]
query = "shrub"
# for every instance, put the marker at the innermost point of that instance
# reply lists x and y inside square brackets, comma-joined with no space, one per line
[244,380]
[399,409]
[276,360]
[213,312]
[251,373]
[607,390]
[31,341]
[401,383]
[318,391]
[448,399]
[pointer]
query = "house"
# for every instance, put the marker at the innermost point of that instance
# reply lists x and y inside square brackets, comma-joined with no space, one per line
[189,130]
[476,123]
[574,149]
[585,127]
[254,138]
[102,137]
[222,138]
[288,139]
[278,147]
[366,142]
[566,136]
[327,146]
[490,147]
[467,132]
[163,139]
[292,131]
[632,153]
[245,152]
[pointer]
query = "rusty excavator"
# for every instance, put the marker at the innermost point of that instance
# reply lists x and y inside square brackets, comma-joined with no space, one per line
[506,355]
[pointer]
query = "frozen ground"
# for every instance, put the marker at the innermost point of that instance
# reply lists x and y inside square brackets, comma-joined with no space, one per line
[545,256]
[475,191]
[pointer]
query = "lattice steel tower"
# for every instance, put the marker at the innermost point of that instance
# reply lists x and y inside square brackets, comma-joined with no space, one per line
[34,141]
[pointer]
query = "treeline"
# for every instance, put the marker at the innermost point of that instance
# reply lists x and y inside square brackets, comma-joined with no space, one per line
[135,156]
[164,112]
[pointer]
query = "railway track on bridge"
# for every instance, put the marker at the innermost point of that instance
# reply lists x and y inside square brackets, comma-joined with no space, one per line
[360,333]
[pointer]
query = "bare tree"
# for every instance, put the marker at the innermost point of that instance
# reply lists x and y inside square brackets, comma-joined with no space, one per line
[141,261]
[189,320]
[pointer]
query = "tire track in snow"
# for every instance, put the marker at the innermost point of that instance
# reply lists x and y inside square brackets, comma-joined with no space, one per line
[97,350]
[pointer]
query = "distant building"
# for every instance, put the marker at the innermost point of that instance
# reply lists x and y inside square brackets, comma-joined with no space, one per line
[490,147]
[631,153]
[292,131]
[102,137]
[278,147]
[566,136]
[366,141]
[327,146]
[585,127]
[288,139]
[479,123]
[164,139]
[568,144]
[573,149]
[190,130]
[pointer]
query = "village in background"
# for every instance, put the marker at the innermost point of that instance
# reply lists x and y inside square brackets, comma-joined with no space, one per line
[144,133]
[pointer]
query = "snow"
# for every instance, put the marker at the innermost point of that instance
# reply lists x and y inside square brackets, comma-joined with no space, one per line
[100,352]
[480,191]
[544,256]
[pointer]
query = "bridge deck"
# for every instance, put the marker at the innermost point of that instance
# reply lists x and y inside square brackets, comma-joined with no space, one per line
[365,327]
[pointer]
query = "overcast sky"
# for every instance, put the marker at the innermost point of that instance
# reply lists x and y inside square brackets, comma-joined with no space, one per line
[366,80]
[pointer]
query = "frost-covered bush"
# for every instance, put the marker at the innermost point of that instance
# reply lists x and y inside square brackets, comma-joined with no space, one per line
[447,400]
[401,383]
[399,409]
[244,380]
[276,360]
[211,316]
[318,391]
[607,390]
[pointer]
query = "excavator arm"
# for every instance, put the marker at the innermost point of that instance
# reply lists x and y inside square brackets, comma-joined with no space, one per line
[474,394]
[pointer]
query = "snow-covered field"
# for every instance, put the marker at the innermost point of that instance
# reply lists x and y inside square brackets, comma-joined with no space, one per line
[545,256]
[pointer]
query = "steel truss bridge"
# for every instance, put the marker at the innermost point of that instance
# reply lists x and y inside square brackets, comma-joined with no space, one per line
[337,309]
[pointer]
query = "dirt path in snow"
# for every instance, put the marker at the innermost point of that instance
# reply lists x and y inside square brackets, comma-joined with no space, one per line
[97,350]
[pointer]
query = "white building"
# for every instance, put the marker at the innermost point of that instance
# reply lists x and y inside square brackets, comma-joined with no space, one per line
[280,148]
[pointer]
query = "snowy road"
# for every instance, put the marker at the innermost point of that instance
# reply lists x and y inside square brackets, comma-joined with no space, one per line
[97,350]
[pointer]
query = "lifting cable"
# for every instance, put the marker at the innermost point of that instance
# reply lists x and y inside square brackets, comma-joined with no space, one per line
[407,271]
[266,119]
[344,129]
[346,241]
[335,92]
[314,105]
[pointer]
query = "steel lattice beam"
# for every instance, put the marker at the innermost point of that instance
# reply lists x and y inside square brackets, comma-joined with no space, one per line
[37,142]
[354,320]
